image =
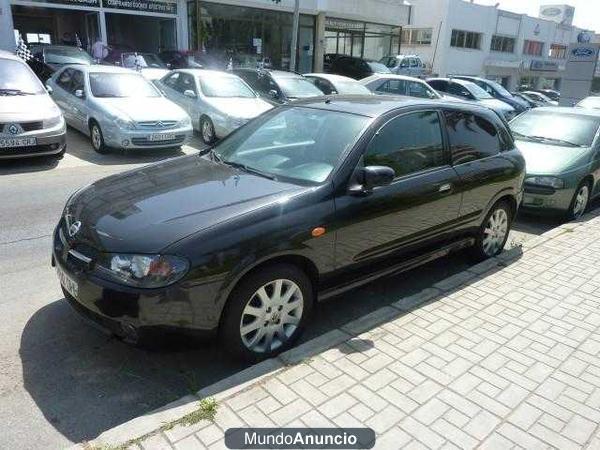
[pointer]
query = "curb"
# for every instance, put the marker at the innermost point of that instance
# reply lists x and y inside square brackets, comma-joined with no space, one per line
[148,424]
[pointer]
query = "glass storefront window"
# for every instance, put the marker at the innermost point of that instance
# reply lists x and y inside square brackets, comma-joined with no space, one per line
[365,40]
[249,37]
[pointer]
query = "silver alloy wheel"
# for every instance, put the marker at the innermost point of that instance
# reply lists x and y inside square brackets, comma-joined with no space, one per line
[581,201]
[207,131]
[96,137]
[495,232]
[271,316]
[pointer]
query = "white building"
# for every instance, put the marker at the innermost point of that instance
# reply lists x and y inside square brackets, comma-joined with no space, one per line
[457,37]
[369,28]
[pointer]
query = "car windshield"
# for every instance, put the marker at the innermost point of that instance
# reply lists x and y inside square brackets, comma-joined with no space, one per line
[17,79]
[142,60]
[378,67]
[66,55]
[477,92]
[297,87]
[590,102]
[225,86]
[294,143]
[351,87]
[121,85]
[499,88]
[556,128]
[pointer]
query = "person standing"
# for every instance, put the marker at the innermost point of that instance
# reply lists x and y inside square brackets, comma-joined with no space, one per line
[99,50]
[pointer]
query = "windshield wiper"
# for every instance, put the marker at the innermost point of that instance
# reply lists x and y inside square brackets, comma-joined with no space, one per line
[558,141]
[14,92]
[249,169]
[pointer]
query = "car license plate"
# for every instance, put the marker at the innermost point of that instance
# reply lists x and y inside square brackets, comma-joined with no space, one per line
[162,137]
[17,142]
[67,282]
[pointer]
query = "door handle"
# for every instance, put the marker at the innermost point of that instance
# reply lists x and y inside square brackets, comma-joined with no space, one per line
[445,187]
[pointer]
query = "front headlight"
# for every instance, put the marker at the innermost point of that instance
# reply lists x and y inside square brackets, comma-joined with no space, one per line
[552,182]
[143,271]
[53,121]
[124,124]
[186,122]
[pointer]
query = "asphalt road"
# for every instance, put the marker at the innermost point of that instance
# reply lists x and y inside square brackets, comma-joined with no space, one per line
[62,381]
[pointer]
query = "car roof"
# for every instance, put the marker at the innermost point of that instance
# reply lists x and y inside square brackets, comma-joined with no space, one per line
[469,77]
[207,72]
[102,68]
[569,110]
[8,55]
[465,83]
[390,76]
[330,77]
[377,105]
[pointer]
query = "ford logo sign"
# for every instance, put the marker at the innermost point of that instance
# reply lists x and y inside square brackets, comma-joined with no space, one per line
[582,52]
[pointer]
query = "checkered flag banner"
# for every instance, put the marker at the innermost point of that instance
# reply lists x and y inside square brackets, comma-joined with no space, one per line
[78,41]
[23,51]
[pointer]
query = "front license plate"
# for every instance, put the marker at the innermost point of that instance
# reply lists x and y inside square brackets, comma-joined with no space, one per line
[67,282]
[162,137]
[17,142]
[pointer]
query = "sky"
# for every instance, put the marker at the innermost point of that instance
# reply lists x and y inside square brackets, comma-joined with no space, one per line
[587,12]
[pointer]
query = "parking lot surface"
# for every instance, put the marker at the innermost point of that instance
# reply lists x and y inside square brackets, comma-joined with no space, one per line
[62,381]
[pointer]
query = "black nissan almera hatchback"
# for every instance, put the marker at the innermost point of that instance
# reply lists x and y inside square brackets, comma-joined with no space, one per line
[300,204]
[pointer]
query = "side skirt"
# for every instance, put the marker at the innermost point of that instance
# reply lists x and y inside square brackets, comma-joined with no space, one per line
[399,268]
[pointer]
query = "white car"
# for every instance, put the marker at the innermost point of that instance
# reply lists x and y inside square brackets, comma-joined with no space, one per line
[337,84]
[592,102]
[118,108]
[218,102]
[30,122]
[392,84]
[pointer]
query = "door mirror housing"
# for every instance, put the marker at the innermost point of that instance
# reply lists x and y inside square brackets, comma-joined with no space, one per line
[189,93]
[79,93]
[49,89]
[273,93]
[371,177]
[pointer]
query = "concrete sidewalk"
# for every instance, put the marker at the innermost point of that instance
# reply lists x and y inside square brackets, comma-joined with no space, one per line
[504,355]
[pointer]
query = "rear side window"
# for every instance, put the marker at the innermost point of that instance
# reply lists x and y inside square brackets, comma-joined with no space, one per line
[64,80]
[397,87]
[440,85]
[471,137]
[408,144]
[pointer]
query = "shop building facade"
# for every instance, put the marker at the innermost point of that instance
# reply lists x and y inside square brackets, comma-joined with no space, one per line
[252,29]
[458,37]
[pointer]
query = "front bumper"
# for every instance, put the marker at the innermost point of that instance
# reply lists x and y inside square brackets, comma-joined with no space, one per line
[547,199]
[141,138]
[124,310]
[50,141]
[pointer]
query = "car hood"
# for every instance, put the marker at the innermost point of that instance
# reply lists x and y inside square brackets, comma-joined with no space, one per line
[496,105]
[20,108]
[153,73]
[142,109]
[544,159]
[148,209]
[244,108]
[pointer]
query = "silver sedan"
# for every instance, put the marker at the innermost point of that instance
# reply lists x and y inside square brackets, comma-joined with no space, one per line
[217,102]
[118,108]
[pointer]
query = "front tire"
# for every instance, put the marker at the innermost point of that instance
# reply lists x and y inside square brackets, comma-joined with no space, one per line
[97,138]
[580,202]
[493,233]
[207,130]
[267,312]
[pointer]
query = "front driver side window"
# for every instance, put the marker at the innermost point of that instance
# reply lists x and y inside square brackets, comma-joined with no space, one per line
[64,80]
[408,144]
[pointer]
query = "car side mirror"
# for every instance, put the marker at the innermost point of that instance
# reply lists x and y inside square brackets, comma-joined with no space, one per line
[371,177]
[79,93]
[49,89]
[169,66]
[189,93]
[273,93]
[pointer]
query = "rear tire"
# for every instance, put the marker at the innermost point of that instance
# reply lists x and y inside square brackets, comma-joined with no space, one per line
[493,233]
[580,201]
[97,138]
[266,312]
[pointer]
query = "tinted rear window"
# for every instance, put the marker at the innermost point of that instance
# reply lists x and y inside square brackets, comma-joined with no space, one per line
[471,137]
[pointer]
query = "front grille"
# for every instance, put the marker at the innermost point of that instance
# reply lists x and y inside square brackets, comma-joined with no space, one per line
[26,126]
[147,142]
[540,190]
[157,124]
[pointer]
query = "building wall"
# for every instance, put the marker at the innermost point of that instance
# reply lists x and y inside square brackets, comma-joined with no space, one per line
[7,39]
[445,15]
